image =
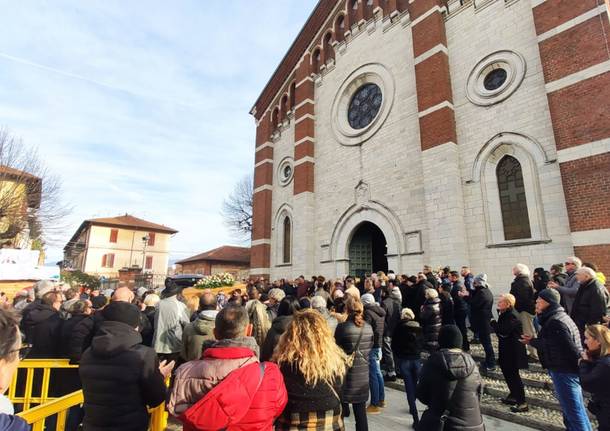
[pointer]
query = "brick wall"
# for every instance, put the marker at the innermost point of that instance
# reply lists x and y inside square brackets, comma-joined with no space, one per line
[597,254]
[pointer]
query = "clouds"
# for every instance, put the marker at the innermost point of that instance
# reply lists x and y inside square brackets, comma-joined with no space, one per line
[142,107]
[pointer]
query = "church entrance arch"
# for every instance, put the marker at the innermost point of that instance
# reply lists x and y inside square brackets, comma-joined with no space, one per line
[367,250]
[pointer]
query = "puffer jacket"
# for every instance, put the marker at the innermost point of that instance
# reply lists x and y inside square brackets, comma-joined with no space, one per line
[196,333]
[407,340]
[375,316]
[171,317]
[278,327]
[523,291]
[431,321]
[558,342]
[450,381]
[194,396]
[594,378]
[356,384]
[590,304]
[120,378]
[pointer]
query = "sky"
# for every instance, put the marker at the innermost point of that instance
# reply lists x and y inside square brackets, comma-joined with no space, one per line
[142,106]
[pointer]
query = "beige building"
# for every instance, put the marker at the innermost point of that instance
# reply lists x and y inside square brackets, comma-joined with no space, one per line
[103,246]
[234,260]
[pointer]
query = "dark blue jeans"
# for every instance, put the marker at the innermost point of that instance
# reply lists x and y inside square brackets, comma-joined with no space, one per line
[569,394]
[410,368]
[375,377]
[490,357]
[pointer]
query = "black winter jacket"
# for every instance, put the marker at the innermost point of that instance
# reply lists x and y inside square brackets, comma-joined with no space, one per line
[278,327]
[558,342]
[523,291]
[446,308]
[589,305]
[594,378]
[407,340]
[460,306]
[450,381]
[120,379]
[511,352]
[375,316]
[419,296]
[481,305]
[356,384]
[392,309]
[306,398]
[431,322]
[43,329]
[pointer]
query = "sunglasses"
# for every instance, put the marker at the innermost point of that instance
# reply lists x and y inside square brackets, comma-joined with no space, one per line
[23,351]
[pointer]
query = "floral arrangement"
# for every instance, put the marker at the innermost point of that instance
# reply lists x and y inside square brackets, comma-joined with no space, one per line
[217,280]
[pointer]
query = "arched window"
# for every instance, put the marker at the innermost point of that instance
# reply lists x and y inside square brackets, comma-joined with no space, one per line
[329,52]
[293,90]
[353,12]
[287,239]
[274,118]
[513,201]
[284,106]
[315,61]
[368,9]
[340,28]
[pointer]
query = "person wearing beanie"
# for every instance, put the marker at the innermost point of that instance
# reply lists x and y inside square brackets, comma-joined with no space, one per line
[392,304]
[121,377]
[450,386]
[481,306]
[375,315]
[560,348]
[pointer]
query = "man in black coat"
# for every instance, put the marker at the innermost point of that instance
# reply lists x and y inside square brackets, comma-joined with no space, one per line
[121,377]
[419,295]
[43,326]
[559,346]
[523,291]
[591,300]
[460,306]
[392,306]
[481,305]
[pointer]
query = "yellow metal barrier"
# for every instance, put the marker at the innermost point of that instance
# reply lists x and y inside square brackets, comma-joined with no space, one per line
[36,416]
[48,406]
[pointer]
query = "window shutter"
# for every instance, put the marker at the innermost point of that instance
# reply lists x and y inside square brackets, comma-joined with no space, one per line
[151,238]
[149,261]
[111,260]
[104,260]
[114,234]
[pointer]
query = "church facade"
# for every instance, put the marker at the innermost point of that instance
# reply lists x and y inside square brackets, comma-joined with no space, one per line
[399,133]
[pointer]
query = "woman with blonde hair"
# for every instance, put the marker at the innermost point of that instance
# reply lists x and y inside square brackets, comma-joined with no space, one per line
[313,367]
[355,337]
[594,370]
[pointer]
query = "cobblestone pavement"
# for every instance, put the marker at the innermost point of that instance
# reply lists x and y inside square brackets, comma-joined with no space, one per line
[396,417]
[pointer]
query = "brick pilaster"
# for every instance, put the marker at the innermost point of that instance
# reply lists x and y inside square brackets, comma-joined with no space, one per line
[304,129]
[573,40]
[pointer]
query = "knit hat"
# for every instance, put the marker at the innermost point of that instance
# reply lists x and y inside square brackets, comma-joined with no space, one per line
[550,296]
[450,337]
[367,299]
[123,312]
[481,280]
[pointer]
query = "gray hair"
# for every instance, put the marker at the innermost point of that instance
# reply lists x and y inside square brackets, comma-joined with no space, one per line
[575,260]
[522,269]
[277,294]
[231,322]
[79,307]
[43,287]
[431,294]
[318,302]
[587,271]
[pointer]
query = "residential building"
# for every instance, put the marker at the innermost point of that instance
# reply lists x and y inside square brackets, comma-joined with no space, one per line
[103,246]
[234,260]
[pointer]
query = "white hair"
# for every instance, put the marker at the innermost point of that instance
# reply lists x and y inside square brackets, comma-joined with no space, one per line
[588,271]
[318,302]
[431,293]
[575,260]
[522,269]
[277,294]
[151,300]
[43,287]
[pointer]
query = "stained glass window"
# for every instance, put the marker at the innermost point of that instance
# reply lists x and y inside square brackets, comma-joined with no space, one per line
[364,106]
[513,201]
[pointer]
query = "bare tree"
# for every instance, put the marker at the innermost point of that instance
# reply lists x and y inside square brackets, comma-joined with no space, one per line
[237,208]
[30,197]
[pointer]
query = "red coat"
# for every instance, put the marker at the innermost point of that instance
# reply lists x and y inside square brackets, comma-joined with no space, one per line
[250,398]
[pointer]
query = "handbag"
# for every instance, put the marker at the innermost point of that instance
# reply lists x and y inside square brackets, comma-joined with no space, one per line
[352,357]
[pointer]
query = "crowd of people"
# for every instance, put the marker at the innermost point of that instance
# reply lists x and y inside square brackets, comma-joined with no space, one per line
[305,354]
